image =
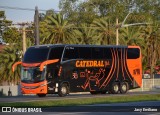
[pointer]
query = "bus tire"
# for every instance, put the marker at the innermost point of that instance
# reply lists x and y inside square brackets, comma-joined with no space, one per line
[115,88]
[41,95]
[64,90]
[123,87]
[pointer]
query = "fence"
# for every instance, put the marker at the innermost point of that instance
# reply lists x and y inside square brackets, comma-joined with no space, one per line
[150,84]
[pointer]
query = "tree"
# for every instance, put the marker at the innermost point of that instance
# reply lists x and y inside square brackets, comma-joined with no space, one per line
[151,35]
[85,34]
[56,29]
[130,35]
[69,9]
[8,57]
[105,30]
[3,22]
[11,35]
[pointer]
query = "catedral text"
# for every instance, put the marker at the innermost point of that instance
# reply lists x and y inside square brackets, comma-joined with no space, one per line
[90,64]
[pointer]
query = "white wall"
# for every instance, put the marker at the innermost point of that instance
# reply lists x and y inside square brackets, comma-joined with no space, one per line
[14,90]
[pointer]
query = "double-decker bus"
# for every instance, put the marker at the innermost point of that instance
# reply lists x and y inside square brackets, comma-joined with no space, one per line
[61,69]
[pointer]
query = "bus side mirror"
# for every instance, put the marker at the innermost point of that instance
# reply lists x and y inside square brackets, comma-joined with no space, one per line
[47,62]
[15,65]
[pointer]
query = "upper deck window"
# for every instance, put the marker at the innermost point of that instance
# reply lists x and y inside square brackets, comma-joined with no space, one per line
[133,53]
[85,53]
[97,53]
[36,55]
[70,53]
[56,53]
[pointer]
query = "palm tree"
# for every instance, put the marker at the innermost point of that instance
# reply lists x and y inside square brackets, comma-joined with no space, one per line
[130,36]
[105,30]
[56,29]
[151,35]
[8,57]
[11,35]
[85,34]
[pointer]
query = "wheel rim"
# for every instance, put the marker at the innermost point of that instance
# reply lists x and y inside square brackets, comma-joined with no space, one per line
[64,90]
[116,88]
[124,87]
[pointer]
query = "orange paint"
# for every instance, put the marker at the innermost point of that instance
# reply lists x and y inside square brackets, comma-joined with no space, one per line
[125,66]
[114,68]
[34,88]
[60,71]
[111,71]
[15,64]
[30,64]
[135,67]
[47,62]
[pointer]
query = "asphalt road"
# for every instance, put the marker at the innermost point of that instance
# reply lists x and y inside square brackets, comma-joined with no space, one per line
[132,108]
[30,98]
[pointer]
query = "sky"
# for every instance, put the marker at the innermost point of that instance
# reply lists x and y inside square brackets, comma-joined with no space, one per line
[26,16]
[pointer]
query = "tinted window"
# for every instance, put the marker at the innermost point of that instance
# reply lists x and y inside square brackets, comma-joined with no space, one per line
[56,53]
[133,53]
[107,53]
[97,53]
[34,55]
[70,53]
[84,52]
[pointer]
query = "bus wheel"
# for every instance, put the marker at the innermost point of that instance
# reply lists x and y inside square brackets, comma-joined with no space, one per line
[41,95]
[63,91]
[123,87]
[115,88]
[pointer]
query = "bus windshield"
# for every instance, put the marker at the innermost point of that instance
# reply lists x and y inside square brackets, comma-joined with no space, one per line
[36,55]
[32,75]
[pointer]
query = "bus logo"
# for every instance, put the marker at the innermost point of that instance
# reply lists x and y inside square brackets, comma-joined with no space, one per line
[91,63]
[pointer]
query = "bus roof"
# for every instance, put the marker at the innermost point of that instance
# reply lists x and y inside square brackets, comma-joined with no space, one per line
[77,45]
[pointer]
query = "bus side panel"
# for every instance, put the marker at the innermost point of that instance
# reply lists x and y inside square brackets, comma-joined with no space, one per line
[134,65]
[135,70]
[117,69]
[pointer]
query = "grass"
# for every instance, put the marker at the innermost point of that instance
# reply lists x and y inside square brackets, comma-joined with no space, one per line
[85,101]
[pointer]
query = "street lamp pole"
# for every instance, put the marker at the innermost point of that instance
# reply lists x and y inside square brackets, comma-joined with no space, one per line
[24,39]
[36,22]
[117,34]
[125,25]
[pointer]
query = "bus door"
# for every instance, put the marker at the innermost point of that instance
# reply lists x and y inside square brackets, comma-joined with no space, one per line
[51,77]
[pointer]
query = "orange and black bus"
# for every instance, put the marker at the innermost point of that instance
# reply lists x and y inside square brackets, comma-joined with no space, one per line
[61,69]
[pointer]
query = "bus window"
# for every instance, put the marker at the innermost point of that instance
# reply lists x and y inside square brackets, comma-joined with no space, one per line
[70,53]
[107,53]
[133,53]
[84,52]
[97,53]
[36,55]
[56,53]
